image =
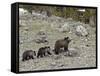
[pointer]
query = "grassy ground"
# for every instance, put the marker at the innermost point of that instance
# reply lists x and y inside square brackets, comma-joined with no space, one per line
[84,48]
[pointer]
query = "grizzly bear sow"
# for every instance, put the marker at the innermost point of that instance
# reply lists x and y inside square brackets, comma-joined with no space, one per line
[61,43]
[29,54]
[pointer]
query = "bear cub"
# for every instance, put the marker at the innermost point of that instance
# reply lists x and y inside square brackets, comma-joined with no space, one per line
[29,54]
[43,51]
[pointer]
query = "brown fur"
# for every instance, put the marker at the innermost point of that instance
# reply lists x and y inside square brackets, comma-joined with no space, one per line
[61,43]
[43,51]
[28,54]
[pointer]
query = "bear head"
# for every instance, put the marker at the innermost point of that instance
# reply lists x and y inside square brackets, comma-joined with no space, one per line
[67,39]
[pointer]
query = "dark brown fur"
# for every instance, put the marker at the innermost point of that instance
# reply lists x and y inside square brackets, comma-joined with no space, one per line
[29,54]
[61,43]
[43,51]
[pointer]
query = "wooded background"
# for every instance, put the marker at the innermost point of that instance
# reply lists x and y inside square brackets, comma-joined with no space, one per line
[76,13]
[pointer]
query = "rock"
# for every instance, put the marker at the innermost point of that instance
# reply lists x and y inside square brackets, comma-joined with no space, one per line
[38,15]
[81,31]
[72,54]
[87,45]
[36,61]
[68,54]
[41,41]
[41,32]
[57,57]
[61,65]
[69,19]
[22,11]
[22,23]
[53,63]
[64,28]
[41,37]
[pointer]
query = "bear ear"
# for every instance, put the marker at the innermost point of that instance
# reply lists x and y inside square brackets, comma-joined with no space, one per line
[48,46]
[66,38]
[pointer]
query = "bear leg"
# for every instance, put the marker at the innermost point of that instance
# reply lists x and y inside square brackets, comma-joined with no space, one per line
[38,55]
[32,57]
[57,51]
[23,59]
[41,55]
[48,53]
[65,49]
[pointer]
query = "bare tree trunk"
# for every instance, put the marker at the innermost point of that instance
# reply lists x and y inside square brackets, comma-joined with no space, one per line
[92,19]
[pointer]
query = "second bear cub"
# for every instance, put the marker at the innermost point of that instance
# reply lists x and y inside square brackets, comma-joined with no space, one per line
[43,51]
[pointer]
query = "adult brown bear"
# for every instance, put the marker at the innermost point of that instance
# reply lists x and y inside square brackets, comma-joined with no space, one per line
[61,43]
